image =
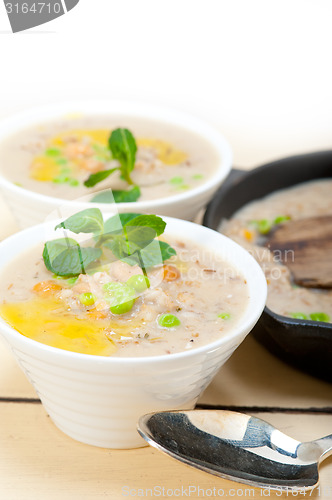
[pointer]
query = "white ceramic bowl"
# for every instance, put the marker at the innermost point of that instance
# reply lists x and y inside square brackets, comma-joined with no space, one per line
[98,400]
[32,208]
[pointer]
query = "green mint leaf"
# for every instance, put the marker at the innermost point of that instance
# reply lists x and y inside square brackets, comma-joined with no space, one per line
[151,221]
[55,247]
[103,197]
[136,238]
[128,234]
[117,245]
[152,255]
[123,147]
[125,243]
[117,222]
[127,196]
[98,177]
[166,250]
[156,253]
[69,264]
[116,196]
[86,221]
[131,237]
[65,257]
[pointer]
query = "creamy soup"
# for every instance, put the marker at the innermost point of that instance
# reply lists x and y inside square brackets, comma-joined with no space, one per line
[192,300]
[252,223]
[56,158]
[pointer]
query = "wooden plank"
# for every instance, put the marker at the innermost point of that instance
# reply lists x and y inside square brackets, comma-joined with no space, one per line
[37,461]
[253,376]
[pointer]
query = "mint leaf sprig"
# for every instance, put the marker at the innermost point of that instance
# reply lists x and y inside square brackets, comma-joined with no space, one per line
[131,237]
[117,196]
[123,147]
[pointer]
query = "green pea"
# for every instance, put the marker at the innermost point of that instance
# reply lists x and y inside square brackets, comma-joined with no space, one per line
[112,286]
[319,316]
[124,292]
[72,281]
[122,308]
[224,316]
[197,177]
[61,161]
[102,152]
[298,315]
[73,182]
[52,152]
[87,299]
[69,281]
[65,171]
[99,148]
[281,218]
[139,282]
[168,320]
[123,298]
[176,180]
[61,179]
[264,226]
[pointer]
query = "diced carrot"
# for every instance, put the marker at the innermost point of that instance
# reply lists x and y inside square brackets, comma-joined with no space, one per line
[95,314]
[46,288]
[171,273]
[247,234]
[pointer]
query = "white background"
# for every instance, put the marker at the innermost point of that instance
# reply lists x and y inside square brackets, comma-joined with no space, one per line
[260,70]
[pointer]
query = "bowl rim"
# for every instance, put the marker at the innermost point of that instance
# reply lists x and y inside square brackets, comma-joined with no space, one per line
[44,114]
[245,323]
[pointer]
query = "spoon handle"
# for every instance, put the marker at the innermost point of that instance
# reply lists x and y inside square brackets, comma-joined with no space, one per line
[325,445]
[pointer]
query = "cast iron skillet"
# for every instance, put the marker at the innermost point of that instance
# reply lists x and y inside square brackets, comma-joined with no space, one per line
[303,343]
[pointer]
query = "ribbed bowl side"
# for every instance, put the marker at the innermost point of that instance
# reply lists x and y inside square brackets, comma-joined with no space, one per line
[29,212]
[101,404]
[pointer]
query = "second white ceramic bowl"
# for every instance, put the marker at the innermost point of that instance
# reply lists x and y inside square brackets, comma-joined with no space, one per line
[31,208]
[98,400]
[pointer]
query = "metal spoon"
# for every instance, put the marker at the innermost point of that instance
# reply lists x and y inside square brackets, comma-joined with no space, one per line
[237,447]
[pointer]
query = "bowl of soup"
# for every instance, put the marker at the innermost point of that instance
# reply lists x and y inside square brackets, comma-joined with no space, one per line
[160,160]
[105,335]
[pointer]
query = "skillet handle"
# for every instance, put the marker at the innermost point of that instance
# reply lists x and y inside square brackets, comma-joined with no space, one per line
[235,174]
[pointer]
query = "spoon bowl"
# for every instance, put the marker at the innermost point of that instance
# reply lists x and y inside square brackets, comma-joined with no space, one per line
[236,446]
